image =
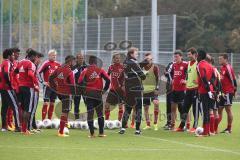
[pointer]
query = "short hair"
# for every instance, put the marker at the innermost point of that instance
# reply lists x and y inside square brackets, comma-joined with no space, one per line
[131,50]
[224,55]
[147,54]
[69,58]
[192,50]
[178,52]
[6,53]
[40,55]
[202,54]
[15,49]
[52,51]
[31,53]
[115,54]
[92,60]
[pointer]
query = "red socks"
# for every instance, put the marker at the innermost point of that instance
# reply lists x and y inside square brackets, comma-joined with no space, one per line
[212,122]
[24,127]
[216,122]
[206,129]
[9,117]
[156,111]
[44,111]
[120,114]
[50,110]
[63,121]
[107,114]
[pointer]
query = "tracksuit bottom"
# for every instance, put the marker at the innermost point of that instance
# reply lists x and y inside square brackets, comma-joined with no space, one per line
[97,105]
[127,113]
[9,99]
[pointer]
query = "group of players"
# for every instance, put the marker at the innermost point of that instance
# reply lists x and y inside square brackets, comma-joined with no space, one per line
[130,85]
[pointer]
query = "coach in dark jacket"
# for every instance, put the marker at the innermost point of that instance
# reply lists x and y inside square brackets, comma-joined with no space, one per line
[77,70]
[133,76]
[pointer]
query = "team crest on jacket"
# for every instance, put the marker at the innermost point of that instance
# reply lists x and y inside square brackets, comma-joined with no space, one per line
[60,76]
[181,68]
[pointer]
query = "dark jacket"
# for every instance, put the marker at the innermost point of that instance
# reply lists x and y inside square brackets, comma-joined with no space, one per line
[133,76]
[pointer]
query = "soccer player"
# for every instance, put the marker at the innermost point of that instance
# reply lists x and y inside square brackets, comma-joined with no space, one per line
[49,96]
[77,70]
[178,86]
[133,76]
[8,95]
[28,87]
[115,95]
[91,79]
[191,97]
[151,89]
[169,75]
[229,88]
[205,89]
[214,117]
[63,83]
[15,88]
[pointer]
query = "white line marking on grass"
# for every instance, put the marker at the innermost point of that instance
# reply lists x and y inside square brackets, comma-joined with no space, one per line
[191,145]
[97,149]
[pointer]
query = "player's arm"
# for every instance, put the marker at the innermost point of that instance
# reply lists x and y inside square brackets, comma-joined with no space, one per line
[51,79]
[232,76]
[136,68]
[31,69]
[72,83]
[81,80]
[169,72]
[157,76]
[109,70]
[41,70]
[105,76]
[6,73]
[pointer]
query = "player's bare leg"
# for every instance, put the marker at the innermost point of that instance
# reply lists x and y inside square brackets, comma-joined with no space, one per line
[107,111]
[44,110]
[229,119]
[147,118]
[120,111]
[173,115]
[156,112]
[216,121]
[50,110]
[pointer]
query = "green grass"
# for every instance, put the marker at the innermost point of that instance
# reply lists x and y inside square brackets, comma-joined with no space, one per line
[150,145]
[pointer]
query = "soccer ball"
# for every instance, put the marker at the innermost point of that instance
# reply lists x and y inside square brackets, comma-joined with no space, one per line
[105,123]
[95,124]
[39,124]
[84,125]
[47,123]
[66,130]
[110,125]
[55,123]
[77,125]
[199,131]
[117,124]
[71,124]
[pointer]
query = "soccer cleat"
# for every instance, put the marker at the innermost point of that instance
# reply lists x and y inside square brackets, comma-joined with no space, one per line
[212,134]
[62,135]
[227,131]
[147,127]
[91,136]
[17,130]
[34,131]
[132,125]
[155,127]
[102,135]
[27,133]
[202,135]
[11,128]
[122,131]
[192,130]
[138,132]
[4,130]
[179,129]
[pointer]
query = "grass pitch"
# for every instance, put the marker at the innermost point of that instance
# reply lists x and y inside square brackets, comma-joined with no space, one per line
[151,145]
